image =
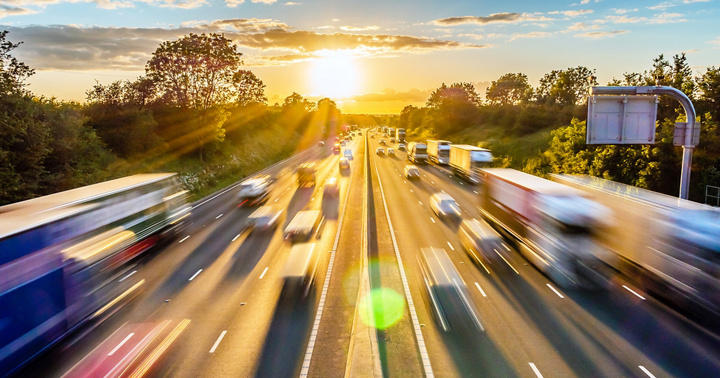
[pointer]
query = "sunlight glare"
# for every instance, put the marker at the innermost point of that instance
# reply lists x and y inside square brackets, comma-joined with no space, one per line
[335,75]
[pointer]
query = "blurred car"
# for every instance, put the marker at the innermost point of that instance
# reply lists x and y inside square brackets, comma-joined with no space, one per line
[344,163]
[444,205]
[480,240]
[306,174]
[447,293]
[299,272]
[336,148]
[264,218]
[391,151]
[382,141]
[331,187]
[343,143]
[372,136]
[401,146]
[392,140]
[321,143]
[412,172]
[254,191]
[302,225]
[348,154]
[380,151]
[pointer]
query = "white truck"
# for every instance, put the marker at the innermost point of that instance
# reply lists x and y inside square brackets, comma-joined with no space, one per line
[302,225]
[400,135]
[439,151]
[668,246]
[466,161]
[551,224]
[417,152]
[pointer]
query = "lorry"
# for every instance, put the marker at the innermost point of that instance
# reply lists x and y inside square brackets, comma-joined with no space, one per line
[417,152]
[668,246]
[306,174]
[466,161]
[302,225]
[439,151]
[400,135]
[299,271]
[551,224]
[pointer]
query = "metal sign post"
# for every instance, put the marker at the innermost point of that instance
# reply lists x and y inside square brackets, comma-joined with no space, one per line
[627,115]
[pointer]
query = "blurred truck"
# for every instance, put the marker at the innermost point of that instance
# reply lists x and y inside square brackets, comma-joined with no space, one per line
[299,271]
[466,161]
[302,225]
[551,224]
[417,153]
[306,174]
[400,135]
[439,151]
[668,246]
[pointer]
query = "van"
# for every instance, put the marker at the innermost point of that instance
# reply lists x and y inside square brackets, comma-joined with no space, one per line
[299,271]
[302,225]
[480,241]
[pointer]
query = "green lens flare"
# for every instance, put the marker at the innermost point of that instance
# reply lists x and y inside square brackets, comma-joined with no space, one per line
[387,308]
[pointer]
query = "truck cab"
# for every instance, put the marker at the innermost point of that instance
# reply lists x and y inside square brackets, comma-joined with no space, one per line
[306,174]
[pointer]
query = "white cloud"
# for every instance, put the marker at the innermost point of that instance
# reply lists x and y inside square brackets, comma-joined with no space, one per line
[667,18]
[624,11]
[664,5]
[264,1]
[695,1]
[573,13]
[535,34]
[7,11]
[584,26]
[292,3]
[359,28]
[233,3]
[602,34]
[715,41]
[625,19]
[472,35]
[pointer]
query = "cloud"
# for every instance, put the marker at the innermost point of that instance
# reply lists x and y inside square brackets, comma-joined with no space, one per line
[472,35]
[292,3]
[573,13]
[264,1]
[233,3]
[584,26]
[359,28]
[715,41]
[183,4]
[583,2]
[413,95]
[624,11]
[625,19]
[493,18]
[535,34]
[7,11]
[602,34]
[664,5]
[66,47]
[695,1]
[667,18]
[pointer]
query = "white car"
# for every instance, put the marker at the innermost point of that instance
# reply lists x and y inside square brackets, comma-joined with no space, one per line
[391,151]
[380,151]
[444,206]
[344,163]
[412,172]
[265,218]
[331,187]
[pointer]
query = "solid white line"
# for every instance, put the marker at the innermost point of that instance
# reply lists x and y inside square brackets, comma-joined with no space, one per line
[646,371]
[506,262]
[218,217]
[121,344]
[183,239]
[420,203]
[481,290]
[475,191]
[556,292]
[535,369]
[263,273]
[217,342]
[236,236]
[450,245]
[195,275]
[632,291]
[433,220]
[128,276]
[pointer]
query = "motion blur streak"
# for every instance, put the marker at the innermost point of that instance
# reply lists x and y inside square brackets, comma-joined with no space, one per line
[155,355]
[118,299]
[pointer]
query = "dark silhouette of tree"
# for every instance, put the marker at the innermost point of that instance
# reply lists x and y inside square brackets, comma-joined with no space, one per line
[248,88]
[297,102]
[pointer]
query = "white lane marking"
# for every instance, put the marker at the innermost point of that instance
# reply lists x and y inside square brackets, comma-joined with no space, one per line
[183,239]
[424,356]
[128,276]
[646,371]
[506,262]
[442,190]
[506,247]
[481,290]
[217,342]
[276,199]
[236,236]
[420,203]
[475,191]
[535,369]
[462,183]
[432,181]
[411,191]
[632,291]
[556,292]
[263,273]
[121,344]
[218,217]
[450,245]
[195,275]
[433,220]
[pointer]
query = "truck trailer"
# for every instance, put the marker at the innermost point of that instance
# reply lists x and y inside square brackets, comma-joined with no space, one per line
[466,161]
[400,135]
[551,224]
[439,151]
[668,246]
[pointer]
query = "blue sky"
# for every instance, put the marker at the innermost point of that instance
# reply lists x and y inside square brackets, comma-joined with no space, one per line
[391,53]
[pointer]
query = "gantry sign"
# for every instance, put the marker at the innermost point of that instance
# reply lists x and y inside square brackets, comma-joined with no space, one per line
[627,115]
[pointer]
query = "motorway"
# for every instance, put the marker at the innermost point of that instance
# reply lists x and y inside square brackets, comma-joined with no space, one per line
[210,303]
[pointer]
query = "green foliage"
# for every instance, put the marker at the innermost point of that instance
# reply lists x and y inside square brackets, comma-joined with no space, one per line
[509,89]
[565,87]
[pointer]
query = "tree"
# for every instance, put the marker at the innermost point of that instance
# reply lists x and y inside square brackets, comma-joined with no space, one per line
[457,93]
[709,86]
[197,72]
[248,88]
[13,73]
[297,102]
[566,87]
[509,89]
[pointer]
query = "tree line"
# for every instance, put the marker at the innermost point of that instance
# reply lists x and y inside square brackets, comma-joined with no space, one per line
[513,111]
[196,111]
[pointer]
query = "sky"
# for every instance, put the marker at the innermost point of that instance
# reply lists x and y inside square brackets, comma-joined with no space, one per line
[370,56]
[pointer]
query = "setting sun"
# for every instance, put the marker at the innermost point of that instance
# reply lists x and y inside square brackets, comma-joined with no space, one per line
[335,74]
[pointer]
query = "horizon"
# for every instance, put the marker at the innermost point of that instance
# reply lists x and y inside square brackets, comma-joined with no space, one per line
[370,58]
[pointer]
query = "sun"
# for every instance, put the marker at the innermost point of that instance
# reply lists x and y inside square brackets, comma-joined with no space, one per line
[334,74]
